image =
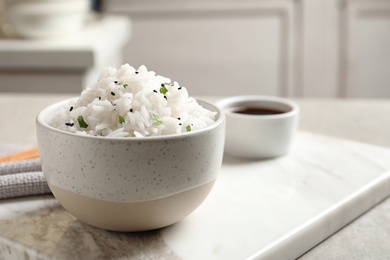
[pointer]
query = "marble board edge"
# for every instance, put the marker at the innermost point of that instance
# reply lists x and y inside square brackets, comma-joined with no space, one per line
[334,218]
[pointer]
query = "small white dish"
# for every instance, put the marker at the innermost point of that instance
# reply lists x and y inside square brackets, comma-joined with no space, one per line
[44,18]
[266,133]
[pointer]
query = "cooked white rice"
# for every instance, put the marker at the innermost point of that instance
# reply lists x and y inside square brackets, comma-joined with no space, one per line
[132,103]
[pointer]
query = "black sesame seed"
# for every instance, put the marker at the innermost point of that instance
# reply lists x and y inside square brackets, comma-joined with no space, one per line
[136,72]
[179,88]
[166,97]
[100,98]
[131,110]
[162,85]
[112,93]
[179,123]
[69,124]
[116,82]
[155,91]
[71,108]
[178,118]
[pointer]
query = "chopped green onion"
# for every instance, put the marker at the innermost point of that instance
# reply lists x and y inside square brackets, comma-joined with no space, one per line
[121,119]
[156,120]
[81,121]
[125,85]
[163,89]
[188,128]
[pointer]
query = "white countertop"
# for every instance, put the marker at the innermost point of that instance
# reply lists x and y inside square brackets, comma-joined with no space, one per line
[353,119]
[100,37]
[63,64]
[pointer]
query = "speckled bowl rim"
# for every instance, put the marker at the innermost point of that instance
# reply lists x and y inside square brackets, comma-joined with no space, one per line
[43,114]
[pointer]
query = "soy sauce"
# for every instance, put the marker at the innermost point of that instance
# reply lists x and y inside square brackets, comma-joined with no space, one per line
[260,111]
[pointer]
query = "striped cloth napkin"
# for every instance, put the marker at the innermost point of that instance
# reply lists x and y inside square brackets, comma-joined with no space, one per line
[22,178]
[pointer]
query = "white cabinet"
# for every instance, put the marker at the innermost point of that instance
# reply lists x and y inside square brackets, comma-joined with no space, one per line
[306,48]
[65,64]
[365,47]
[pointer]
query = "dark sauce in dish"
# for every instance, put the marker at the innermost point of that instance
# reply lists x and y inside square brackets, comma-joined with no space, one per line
[260,111]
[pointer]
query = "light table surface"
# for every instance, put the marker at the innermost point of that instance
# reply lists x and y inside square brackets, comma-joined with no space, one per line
[360,120]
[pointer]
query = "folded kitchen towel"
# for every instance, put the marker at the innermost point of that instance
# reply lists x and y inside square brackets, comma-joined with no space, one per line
[32,165]
[22,178]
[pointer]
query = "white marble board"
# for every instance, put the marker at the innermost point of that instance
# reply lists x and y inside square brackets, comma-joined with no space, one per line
[267,209]
[280,208]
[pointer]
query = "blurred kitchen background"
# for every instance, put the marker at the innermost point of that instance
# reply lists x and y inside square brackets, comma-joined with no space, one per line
[292,48]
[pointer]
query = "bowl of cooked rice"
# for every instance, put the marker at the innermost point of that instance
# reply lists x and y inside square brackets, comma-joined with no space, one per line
[133,152]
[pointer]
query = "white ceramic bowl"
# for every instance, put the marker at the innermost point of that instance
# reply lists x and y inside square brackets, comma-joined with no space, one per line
[45,18]
[130,184]
[259,136]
